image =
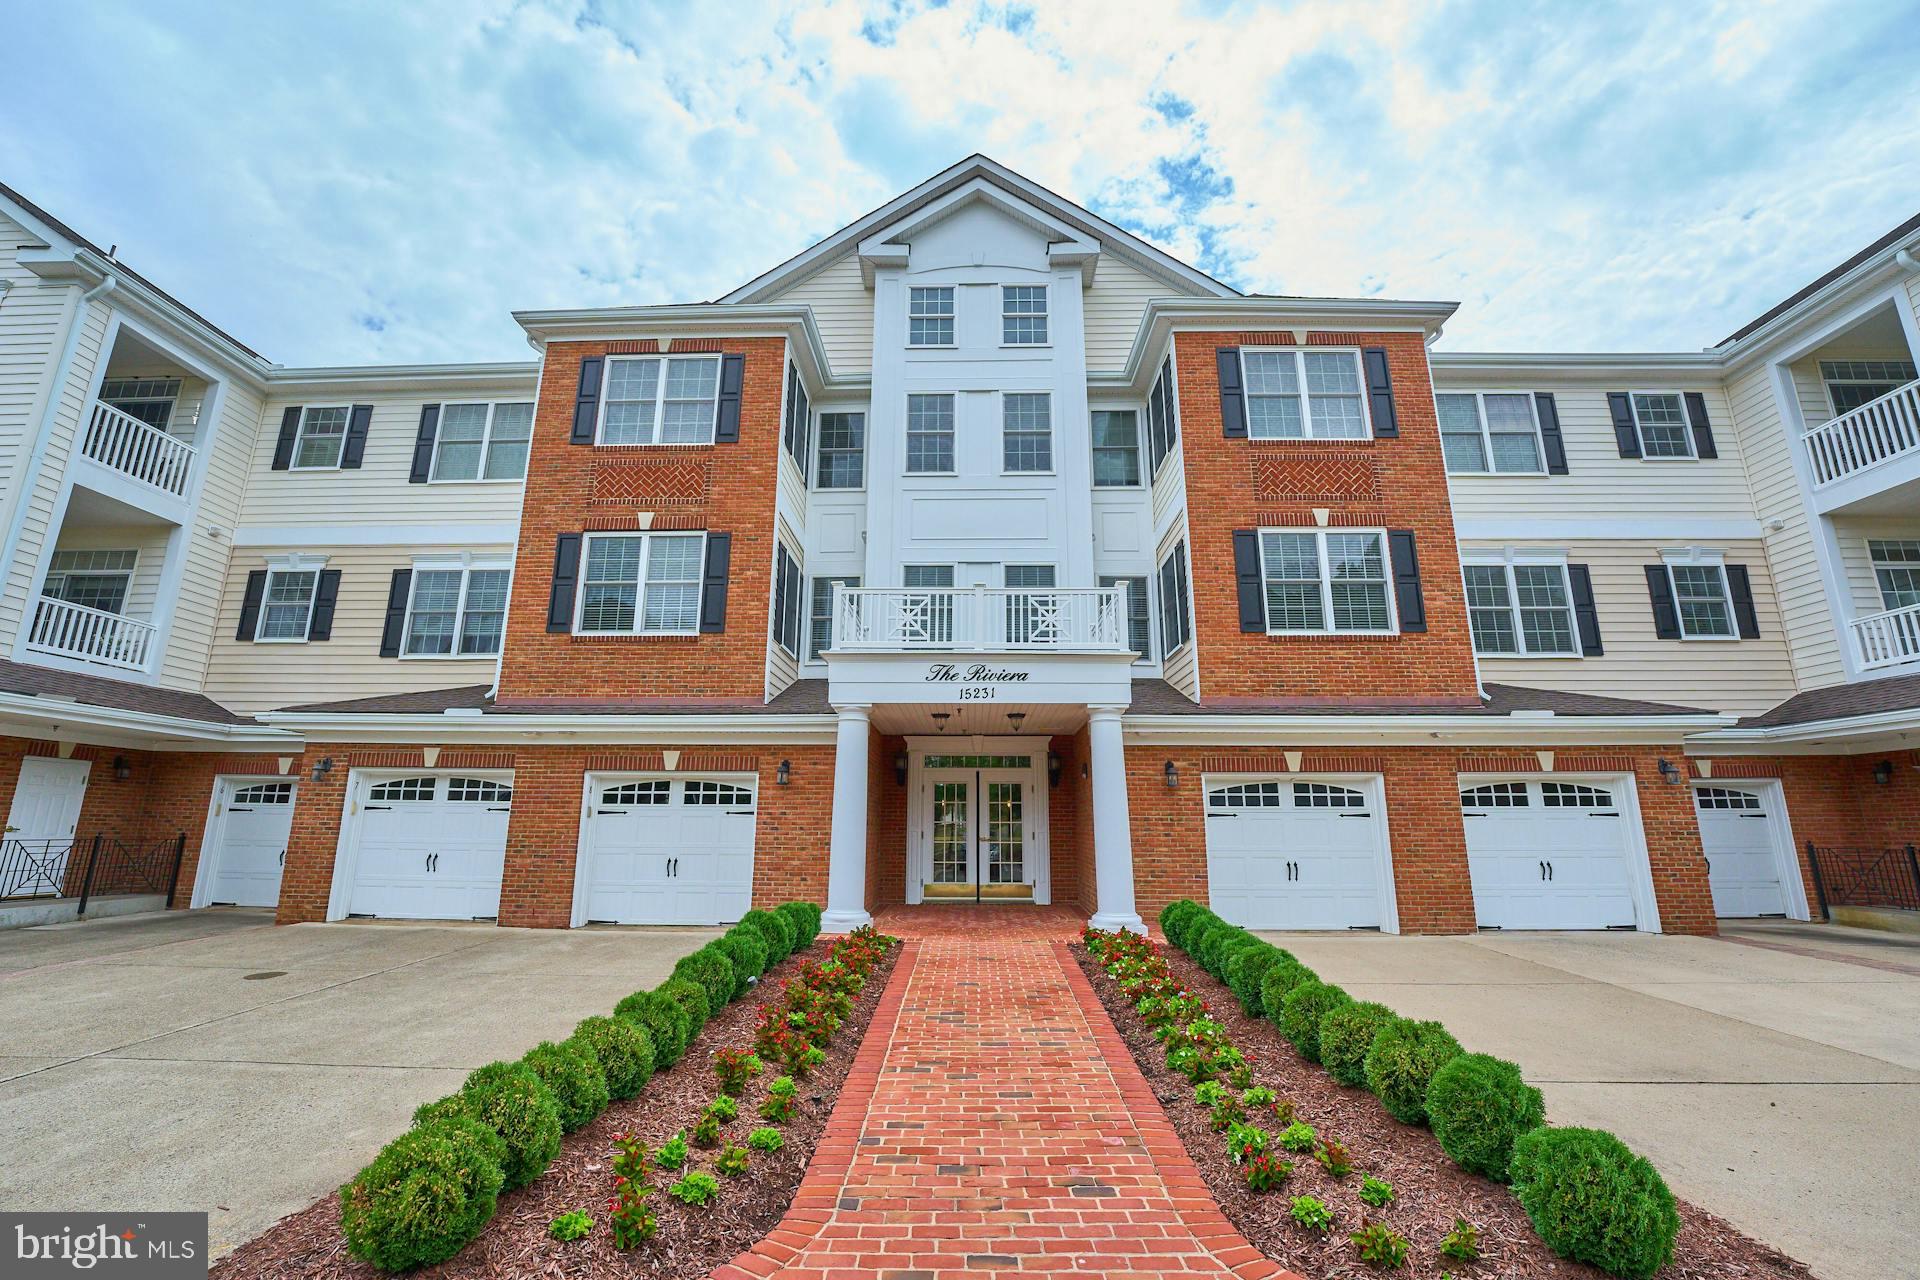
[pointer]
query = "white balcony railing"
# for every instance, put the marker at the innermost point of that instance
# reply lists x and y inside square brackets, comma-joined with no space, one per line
[131,447]
[1876,432]
[979,619]
[91,635]
[1888,639]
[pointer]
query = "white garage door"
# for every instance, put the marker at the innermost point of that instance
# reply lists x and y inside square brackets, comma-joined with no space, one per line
[1294,855]
[1548,855]
[255,820]
[670,851]
[431,847]
[1742,867]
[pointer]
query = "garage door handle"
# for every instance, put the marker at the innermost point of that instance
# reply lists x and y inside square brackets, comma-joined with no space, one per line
[739,813]
[1223,815]
[1353,815]
[283,857]
[1543,869]
[1549,871]
[500,808]
[239,808]
[382,807]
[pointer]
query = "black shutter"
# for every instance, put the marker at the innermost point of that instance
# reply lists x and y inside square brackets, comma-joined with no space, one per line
[1380,393]
[355,447]
[1552,443]
[423,446]
[1741,588]
[1233,401]
[1410,601]
[250,605]
[1666,614]
[1172,414]
[586,405]
[1702,429]
[566,582]
[326,594]
[1586,617]
[726,418]
[1180,590]
[1169,610]
[780,562]
[393,629]
[1246,577]
[1625,435]
[713,583]
[289,431]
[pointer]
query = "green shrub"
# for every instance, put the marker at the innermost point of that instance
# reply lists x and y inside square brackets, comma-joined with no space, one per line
[1404,1056]
[1377,1192]
[1198,921]
[1593,1200]
[696,1188]
[1478,1107]
[572,1072]
[623,1049]
[1282,977]
[804,919]
[691,997]
[748,951]
[1174,918]
[766,1139]
[1462,1243]
[426,1194]
[1230,947]
[1302,1010]
[666,1024]
[711,971]
[1380,1246]
[775,932]
[1298,1136]
[571,1225]
[510,1099]
[1246,968]
[1346,1033]
[673,1152]
[1211,939]
[732,1161]
[1312,1213]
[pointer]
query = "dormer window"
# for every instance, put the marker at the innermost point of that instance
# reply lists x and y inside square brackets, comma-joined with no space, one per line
[1023,315]
[930,317]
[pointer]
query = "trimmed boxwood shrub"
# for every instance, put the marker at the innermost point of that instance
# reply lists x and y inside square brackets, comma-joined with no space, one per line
[623,1049]
[1176,918]
[1479,1107]
[777,934]
[513,1101]
[692,999]
[711,970]
[573,1073]
[1214,940]
[664,1020]
[1593,1200]
[1346,1033]
[748,951]
[1280,979]
[804,918]
[1227,952]
[1404,1056]
[1246,967]
[1302,1010]
[426,1194]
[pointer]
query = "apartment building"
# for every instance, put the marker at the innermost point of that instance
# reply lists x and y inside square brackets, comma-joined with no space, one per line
[981,551]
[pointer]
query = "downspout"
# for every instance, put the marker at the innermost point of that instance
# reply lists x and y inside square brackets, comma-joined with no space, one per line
[500,659]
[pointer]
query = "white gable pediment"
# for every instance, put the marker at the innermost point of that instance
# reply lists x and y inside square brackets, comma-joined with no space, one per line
[1059,243]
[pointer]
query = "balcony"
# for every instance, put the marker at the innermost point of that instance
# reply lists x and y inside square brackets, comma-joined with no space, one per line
[123,443]
[1877,432]
[84,634]
[1887,639]
[979,620]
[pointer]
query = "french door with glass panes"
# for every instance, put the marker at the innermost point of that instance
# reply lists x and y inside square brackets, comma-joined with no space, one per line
[977,835]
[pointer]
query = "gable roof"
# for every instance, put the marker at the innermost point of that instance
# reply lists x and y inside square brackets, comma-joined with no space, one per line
[1179,276]
[1794,299]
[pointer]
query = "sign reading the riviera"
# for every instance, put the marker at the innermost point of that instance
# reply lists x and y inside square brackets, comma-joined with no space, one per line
[979,680]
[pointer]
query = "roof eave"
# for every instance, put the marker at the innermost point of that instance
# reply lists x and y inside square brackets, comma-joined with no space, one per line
[467,726]
[1419,730]
[57,718]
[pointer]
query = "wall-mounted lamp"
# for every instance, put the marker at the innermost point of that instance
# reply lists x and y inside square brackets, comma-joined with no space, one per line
[122,769]
[784,774]
[1668,773]
[900,768]
[1882,772]
[940,719]
[322,767]
[1172,775]
[1016,719]
[1053,768]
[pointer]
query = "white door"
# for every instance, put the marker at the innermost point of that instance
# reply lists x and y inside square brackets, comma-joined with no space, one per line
[669,850]
[1294,855]
[431,847]
[255,821]
[41,825]
[1743,868]
[1548,855]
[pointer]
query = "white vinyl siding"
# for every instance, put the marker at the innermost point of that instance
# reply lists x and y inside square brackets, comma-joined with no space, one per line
[843,309]
[1112,308]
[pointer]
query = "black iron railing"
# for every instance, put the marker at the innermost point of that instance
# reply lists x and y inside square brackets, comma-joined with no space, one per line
[1865,876]
[89,869]
[37,868]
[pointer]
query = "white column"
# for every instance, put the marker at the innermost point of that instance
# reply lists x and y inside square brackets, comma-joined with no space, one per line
[1112,828]
[847,849]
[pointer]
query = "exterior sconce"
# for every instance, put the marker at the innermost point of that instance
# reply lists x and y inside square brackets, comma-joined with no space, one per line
[1016,719]
[1053,768]
[1172,775]
[122,769]
[1668,773]
[900,768]
[784,774]
[322,767]
[1882,772]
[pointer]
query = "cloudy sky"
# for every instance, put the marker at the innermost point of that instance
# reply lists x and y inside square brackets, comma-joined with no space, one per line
[386,181]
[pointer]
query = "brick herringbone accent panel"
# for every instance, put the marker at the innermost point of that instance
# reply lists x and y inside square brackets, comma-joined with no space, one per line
[1281,474]
[651,482]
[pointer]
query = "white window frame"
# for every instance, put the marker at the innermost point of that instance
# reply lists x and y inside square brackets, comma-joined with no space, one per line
[640,587]
[1509,562]
[300,437]
[466,567]
[486,445]
[851,581]
[1487,433]
[1147,582]
[1326,583]
[277,566]
[1686,428]
[1828,384]
[1140,463]
[56,575]
[659,402]
[1050,433]
[820,450]
[1045,315]
[1875,564]
[1306,398]
[953,434]
[952,316]
[1696,558]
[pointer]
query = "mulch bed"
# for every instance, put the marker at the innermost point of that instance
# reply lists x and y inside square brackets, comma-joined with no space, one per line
[690,1242]
[1430,1190]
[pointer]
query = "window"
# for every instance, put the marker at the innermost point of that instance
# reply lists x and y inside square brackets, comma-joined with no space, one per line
[1662,422]
[1726,798]
[641,584]
[1570,795]
[1325,580]
[820,614]
[455,611]
[660,400]
[1116,448]
[843,451]
[1896,567]
[1029,617]
[286,608]
[717,793]
[1851,383]
[1026,429]
[1493,432]
[934,620]
[929,435]
[799,420]
[976,762]
[265,793]
[930,317]
[478,791]
[1245,795]
[322,437]
[1176,622]
[149,399]
[1324,795]
[1163,430]
[786,599]
[404,789]
[482,441]
[1701,598]
[1139,623]
[95,579]
[1302,395]
[1023,315]
[1520,609]
[637,793]
[1496,795]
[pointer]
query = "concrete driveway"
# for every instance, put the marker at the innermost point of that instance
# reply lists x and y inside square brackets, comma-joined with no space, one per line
[1772,1074]
[209,1060]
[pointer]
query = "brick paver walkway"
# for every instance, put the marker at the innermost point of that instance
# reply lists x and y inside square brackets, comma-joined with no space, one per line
[994,1124]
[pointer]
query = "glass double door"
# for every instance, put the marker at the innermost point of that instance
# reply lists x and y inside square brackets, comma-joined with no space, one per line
[977,836]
